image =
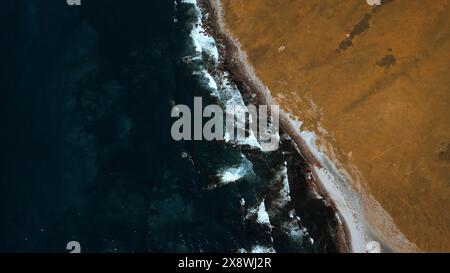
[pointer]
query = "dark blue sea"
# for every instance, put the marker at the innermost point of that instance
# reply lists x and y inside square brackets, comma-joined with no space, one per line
[86,153]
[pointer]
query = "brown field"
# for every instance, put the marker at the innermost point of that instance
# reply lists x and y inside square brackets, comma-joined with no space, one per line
[374,85]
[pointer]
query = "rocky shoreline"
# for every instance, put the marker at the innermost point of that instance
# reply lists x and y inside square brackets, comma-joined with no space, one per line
[303,163]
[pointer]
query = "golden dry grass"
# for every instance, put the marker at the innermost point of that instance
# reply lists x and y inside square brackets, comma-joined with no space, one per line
[377,81]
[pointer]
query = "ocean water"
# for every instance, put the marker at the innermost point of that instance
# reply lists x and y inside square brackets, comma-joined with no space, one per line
[86,152]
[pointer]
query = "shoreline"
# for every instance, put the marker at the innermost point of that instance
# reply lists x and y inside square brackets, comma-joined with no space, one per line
[354,234]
